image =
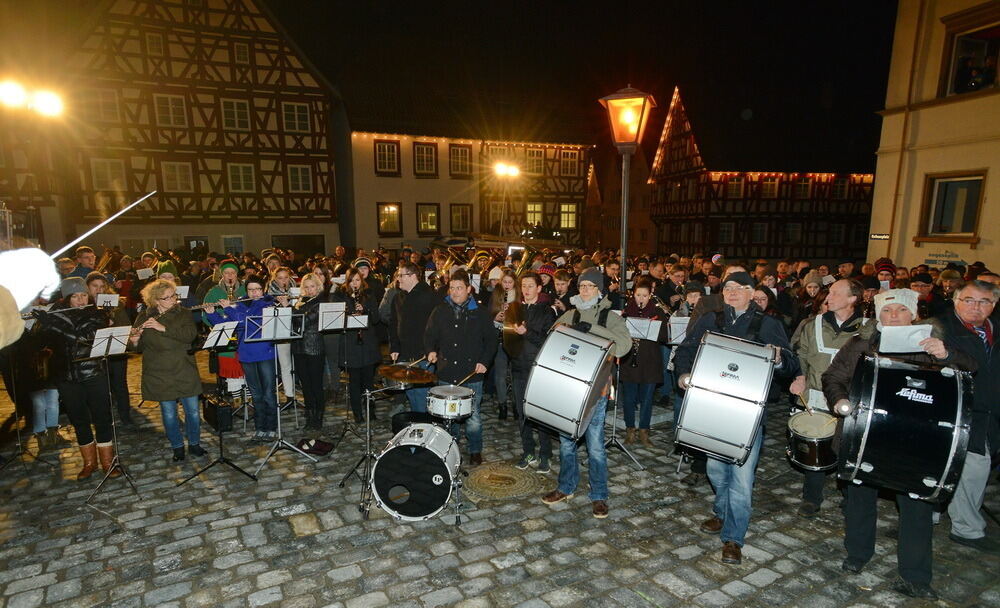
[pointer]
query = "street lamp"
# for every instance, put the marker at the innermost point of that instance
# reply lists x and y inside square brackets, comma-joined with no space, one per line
[14,95]
[628,113]
[505,171]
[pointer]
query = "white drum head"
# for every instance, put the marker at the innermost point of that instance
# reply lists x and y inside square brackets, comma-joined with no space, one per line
[817,425]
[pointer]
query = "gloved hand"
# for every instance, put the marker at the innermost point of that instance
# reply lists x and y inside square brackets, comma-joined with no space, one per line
[684,381]
[582,326]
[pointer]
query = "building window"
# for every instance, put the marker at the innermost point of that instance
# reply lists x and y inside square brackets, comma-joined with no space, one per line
[769,187]
[726,232]
[425,159]
[952,204]
[534,163]
[107,174]
[241,52]
[692,189]
[177,177]
[498,151]
[241,178]
[461,218]
[567,216]
[840,188]
[974,55]
[793,232]
[428,221]
[154,44]
[387,158]
[460,160]
[758,232]
[100,105]
[569,163]
[300,178]
[235,115]
[296,117]
[534,214]
[836,234]
[170,111]
[390,220]
[803,187]
[734,188]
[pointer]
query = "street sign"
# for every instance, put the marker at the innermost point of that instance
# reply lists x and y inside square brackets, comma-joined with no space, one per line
[879,236]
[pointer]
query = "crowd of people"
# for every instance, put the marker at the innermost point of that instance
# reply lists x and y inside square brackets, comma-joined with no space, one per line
[483,319]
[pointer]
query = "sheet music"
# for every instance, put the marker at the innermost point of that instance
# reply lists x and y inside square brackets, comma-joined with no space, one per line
[279,323]
[144,273]
[645,329]
[110,341]
[559,261]
[677,327]
[340,280]
[905,339]
[331,315]
[182,291]
[357,321]
[475,280]
[295,292]
[428,274]
[107,300]
[220,334]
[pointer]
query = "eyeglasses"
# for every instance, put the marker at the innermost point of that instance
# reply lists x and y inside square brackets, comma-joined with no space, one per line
[976,303]
[172,296]
[407,274]
[734,289]
[249,289]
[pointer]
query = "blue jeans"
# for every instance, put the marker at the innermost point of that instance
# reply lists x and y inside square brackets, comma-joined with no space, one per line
[734,492]
[418,395]
[667,389]
[192,421]
[597,457]
[45,405]
[260,378]
[634,394]
[474,423]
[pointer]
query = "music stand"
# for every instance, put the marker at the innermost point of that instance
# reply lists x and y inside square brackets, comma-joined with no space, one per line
[268,327]
[222,425]
[111,342]
[641,329]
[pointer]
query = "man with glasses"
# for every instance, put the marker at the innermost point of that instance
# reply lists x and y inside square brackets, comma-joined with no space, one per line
[969,329]
[410,312]
[929,303]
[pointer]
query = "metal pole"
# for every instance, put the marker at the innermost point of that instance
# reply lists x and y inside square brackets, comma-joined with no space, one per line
[623,269]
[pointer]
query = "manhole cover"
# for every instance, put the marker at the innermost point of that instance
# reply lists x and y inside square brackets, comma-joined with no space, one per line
[500,480]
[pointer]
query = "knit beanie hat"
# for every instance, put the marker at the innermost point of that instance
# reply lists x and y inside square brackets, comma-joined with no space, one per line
[72,285]
[166,266]
[229,264]
[592,275]
[906,297]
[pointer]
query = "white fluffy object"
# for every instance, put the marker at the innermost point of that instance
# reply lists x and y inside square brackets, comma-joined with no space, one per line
[28,273]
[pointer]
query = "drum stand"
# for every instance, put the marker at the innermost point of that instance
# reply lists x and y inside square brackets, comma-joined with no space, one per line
[367,459]
[614,441]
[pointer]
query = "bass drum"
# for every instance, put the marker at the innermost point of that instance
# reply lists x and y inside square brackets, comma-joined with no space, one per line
[412,477]
[909,431]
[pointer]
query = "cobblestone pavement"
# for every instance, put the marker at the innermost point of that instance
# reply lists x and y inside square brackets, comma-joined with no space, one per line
[295,539]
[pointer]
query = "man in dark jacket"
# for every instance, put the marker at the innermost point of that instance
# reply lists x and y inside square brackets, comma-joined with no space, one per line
[733,484]
[460,340]
[968,329]
[410,312]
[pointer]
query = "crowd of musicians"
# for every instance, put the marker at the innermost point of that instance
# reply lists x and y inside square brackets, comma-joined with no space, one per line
[484,319]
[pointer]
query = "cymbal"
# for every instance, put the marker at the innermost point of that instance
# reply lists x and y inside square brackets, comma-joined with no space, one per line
[409,375]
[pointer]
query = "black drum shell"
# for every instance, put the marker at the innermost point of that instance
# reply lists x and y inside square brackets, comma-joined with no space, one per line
[811,453]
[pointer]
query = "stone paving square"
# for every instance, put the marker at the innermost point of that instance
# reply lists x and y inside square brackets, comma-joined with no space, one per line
[294,539]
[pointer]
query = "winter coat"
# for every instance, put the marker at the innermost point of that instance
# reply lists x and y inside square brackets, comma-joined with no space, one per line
[614,329]
[169,371]
[249,352]
[538,319]
[311,342]
[361,346]
[71,333]
[644,362]
[461,337]
[817,349]
[408,321]
[986,399]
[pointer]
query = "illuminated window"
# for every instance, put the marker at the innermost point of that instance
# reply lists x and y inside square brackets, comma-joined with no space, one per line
[461,218]
[498,151]
[460,160]
[170,111]
[107,174]
[235,115]
[387,158]
[296,117]
[840,188]
[734,187]
[177,177]
[569,163]
[534,213]
[390,221]
[300,178]
[803,187]
[425,159]
[428,215]
[241,178]
[241,52]
[952,205]
[973,65]
[567,216]
[100,105]
[534,161]
[769,187]
[154,44]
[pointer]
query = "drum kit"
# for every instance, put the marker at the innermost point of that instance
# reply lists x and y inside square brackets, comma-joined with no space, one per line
[419,472]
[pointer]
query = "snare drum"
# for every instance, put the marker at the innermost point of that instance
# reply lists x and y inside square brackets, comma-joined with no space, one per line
[909,431]
[412,477]
[450,401]
[810,440]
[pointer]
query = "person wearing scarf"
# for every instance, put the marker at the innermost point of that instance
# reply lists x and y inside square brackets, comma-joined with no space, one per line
[642,368]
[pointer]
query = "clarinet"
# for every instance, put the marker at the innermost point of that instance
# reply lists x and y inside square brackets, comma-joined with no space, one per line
[635,352]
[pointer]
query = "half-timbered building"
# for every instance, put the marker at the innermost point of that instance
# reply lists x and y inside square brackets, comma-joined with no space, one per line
[209,103]
[708,199]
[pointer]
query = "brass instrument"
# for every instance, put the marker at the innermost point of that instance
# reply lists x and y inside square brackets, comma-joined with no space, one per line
[526,256]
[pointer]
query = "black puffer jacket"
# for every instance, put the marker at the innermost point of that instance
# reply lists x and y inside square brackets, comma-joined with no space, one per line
[71,332]
[461,338]
[538,319]
[312,342]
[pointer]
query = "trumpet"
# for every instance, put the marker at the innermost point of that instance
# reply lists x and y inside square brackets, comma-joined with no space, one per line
[659,303]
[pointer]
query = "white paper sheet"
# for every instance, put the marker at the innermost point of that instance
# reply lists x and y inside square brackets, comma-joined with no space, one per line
[678,329]
[905,339]
[110,341]
[476,281]
[331,315]
[144,273]
[295,292]
[183,290]
[220,334]
[559,261]
[357,321]
[107,300]
[646,329]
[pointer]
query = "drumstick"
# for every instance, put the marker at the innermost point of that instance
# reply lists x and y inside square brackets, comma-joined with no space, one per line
[463,380]
[806,405]
[417,361]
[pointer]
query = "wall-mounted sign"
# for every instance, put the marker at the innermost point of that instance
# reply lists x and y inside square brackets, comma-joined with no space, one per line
[879,236]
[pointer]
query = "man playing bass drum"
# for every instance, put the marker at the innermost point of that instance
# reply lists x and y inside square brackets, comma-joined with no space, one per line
[592,315]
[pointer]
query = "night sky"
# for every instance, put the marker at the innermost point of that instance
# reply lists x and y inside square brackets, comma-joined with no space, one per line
[813,72]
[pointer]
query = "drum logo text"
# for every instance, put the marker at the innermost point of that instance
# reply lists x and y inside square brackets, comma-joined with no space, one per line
[729,375]
[913,395]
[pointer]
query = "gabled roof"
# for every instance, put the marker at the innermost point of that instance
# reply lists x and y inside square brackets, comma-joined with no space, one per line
[786,135]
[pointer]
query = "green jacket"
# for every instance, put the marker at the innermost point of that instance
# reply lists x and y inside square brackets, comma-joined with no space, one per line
[816,342]
[169,372]
[615,330]
[215,294]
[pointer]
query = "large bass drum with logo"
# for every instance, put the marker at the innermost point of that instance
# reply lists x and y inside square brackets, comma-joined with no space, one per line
[909,431]
[412,477]
[566,380]
[724,404]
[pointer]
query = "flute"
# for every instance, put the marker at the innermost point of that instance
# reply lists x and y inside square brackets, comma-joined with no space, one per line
[207,304]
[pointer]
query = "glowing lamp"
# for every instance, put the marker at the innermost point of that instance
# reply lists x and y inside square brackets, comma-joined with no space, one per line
[628,114]
[47,103]
[12,94]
